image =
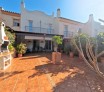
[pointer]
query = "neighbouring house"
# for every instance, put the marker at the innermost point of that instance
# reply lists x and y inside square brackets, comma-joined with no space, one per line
[11,19]
[36,28]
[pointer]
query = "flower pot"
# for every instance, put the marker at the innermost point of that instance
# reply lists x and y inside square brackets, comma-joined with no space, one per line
[19,55]
[71,54]
[56,57]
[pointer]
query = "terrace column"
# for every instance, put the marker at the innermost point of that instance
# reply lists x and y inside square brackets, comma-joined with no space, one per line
[51,45]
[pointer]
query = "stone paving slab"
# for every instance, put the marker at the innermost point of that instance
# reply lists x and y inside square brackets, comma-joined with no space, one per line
[36,73]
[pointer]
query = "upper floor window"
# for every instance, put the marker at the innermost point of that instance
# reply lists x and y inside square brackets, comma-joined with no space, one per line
[65,27]
[50,28]
[66,34]
[30,25]
[16,22]
[66,31]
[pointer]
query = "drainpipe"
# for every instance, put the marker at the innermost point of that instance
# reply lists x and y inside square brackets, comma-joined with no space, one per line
[40,26]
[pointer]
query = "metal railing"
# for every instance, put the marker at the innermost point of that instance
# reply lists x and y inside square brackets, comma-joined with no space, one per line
[39,30]
[68,34]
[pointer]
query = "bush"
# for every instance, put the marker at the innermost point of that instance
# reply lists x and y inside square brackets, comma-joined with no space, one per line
[11,47]
[21,48]
[10,35]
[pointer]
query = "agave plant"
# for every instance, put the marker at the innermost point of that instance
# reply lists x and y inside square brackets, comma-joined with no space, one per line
[91,50]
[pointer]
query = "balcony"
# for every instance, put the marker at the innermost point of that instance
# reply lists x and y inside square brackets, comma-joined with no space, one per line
[68,34]
[39,30]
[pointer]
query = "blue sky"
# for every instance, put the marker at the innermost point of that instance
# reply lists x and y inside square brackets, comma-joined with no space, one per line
[78,10]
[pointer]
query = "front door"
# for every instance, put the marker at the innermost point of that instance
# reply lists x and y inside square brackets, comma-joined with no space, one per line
[35,45]
[48,45]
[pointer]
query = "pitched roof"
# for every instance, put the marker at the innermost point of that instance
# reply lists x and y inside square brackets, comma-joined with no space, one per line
[10,13]
[70,20]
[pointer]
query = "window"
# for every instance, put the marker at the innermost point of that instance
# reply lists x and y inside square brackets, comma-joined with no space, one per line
[48,45]
[50,28]
[30,25]
[16,22]
[66,31]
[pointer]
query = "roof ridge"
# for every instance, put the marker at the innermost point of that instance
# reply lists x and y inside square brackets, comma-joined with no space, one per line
[10,11]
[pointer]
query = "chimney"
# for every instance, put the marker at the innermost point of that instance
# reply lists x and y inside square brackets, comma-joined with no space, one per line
[91,17]
[58,13]
[22,4]
[1,8]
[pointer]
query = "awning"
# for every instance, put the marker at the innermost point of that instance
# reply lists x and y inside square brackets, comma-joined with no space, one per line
[37,38]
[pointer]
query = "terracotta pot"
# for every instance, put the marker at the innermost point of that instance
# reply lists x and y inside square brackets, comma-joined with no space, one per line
[71,54]
[56,57]
[19,55]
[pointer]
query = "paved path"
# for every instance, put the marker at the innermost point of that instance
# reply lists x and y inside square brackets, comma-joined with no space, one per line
[20,77]
[36,73]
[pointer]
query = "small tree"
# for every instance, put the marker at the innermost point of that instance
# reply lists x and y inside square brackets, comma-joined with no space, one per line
[57,40]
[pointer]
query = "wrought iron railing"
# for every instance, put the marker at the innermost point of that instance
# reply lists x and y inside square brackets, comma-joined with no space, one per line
[39,30]
[68,34]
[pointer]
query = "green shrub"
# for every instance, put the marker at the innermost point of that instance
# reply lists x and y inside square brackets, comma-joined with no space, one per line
[21,48]
[57,40]
[11,47]
[10,35]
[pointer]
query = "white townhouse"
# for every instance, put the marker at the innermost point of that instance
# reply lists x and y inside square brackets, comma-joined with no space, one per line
[36,28]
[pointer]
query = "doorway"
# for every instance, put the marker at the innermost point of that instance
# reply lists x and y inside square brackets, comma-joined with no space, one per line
[35,45]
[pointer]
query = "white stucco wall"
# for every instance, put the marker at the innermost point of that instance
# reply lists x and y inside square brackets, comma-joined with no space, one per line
[58,23]
[72,26]
[36,17]
[92,28]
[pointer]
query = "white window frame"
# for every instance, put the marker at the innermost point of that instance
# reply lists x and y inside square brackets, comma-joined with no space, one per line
[66,32]
[16,22]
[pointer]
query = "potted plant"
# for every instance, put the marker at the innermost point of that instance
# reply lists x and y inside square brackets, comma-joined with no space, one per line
[21,49]
[56,56]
